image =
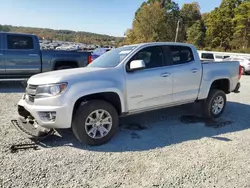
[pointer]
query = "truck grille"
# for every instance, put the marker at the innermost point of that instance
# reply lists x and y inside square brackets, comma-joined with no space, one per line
[31,92]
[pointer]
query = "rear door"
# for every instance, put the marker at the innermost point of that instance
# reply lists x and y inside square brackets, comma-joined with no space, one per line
[21,55]
[186,74]
[2,63]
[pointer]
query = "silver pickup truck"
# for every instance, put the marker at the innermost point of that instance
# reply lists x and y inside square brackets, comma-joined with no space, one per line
[124,81]
[21,57]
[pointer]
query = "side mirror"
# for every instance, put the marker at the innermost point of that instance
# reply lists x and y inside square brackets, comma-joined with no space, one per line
[136,65]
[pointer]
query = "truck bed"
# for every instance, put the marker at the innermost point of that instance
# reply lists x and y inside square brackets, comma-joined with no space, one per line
[219,70]
[50,57]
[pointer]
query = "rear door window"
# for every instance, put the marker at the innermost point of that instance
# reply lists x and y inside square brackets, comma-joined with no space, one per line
[17,42]
[181,54]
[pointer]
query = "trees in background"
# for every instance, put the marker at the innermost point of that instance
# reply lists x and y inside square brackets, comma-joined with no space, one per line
[154,21]
[242,26]
[66,35]
[225,28]
[4,28]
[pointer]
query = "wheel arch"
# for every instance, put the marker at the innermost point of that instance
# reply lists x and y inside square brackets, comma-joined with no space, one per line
[59,63]
[108,96]
[222,84]
[219,83]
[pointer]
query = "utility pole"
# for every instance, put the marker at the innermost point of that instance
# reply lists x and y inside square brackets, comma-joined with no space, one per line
[177,30]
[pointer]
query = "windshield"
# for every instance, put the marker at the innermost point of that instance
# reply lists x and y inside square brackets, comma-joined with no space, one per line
[99,51]
[112,58]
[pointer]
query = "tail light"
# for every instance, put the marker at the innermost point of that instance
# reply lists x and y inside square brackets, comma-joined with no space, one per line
[240,72]
[89,59]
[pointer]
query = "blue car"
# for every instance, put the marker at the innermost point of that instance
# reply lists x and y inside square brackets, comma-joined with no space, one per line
[98,52]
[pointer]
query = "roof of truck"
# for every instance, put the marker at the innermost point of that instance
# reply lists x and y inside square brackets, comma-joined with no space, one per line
[16,33]
[162,43]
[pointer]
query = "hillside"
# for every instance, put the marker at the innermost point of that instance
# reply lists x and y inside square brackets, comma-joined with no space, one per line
[65,35]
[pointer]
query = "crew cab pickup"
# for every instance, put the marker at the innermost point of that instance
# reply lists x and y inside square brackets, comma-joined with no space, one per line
[124,81]
[21,57]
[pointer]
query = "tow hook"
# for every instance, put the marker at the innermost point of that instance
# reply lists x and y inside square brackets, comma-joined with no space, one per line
[32,130]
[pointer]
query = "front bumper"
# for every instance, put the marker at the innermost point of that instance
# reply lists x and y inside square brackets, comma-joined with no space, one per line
[31,130]
[62,118]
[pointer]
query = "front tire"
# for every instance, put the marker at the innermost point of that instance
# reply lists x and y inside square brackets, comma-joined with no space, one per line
[214,105]
[95,122]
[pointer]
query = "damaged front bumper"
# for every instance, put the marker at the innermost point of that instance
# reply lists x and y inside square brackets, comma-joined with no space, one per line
[27,125]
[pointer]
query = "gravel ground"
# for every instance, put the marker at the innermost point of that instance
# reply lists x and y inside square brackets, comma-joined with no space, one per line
[163,152]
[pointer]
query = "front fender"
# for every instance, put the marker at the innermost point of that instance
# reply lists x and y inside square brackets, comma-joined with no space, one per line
[79,90]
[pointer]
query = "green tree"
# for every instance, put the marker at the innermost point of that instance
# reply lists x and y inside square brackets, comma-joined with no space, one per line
[155,20]
[149,25]
[190,13]
[171,7]
[4,28]
[196,34]
[220,25]
[242,28]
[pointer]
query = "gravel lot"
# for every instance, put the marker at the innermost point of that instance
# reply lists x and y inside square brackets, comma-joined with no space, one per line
[163,152]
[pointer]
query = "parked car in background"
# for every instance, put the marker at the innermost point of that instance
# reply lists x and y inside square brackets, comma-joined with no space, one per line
[244,62]
[127,80]
[98,52]
[210,56]
[21,57]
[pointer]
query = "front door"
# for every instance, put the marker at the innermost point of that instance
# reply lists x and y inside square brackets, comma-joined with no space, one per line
[21,57]
[152,86]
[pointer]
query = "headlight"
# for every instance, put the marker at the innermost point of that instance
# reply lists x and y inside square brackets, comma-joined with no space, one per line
[50,90]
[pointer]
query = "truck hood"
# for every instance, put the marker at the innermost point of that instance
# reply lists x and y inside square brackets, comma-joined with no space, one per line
[61,75]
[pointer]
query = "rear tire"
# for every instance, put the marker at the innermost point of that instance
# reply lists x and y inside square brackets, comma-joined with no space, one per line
[214,105]
[95,130]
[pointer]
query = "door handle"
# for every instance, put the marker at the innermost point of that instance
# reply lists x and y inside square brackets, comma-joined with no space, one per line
[33,54]
[165,74]
[194,70]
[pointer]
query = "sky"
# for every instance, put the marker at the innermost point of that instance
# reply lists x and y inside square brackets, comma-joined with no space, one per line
[110,17]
